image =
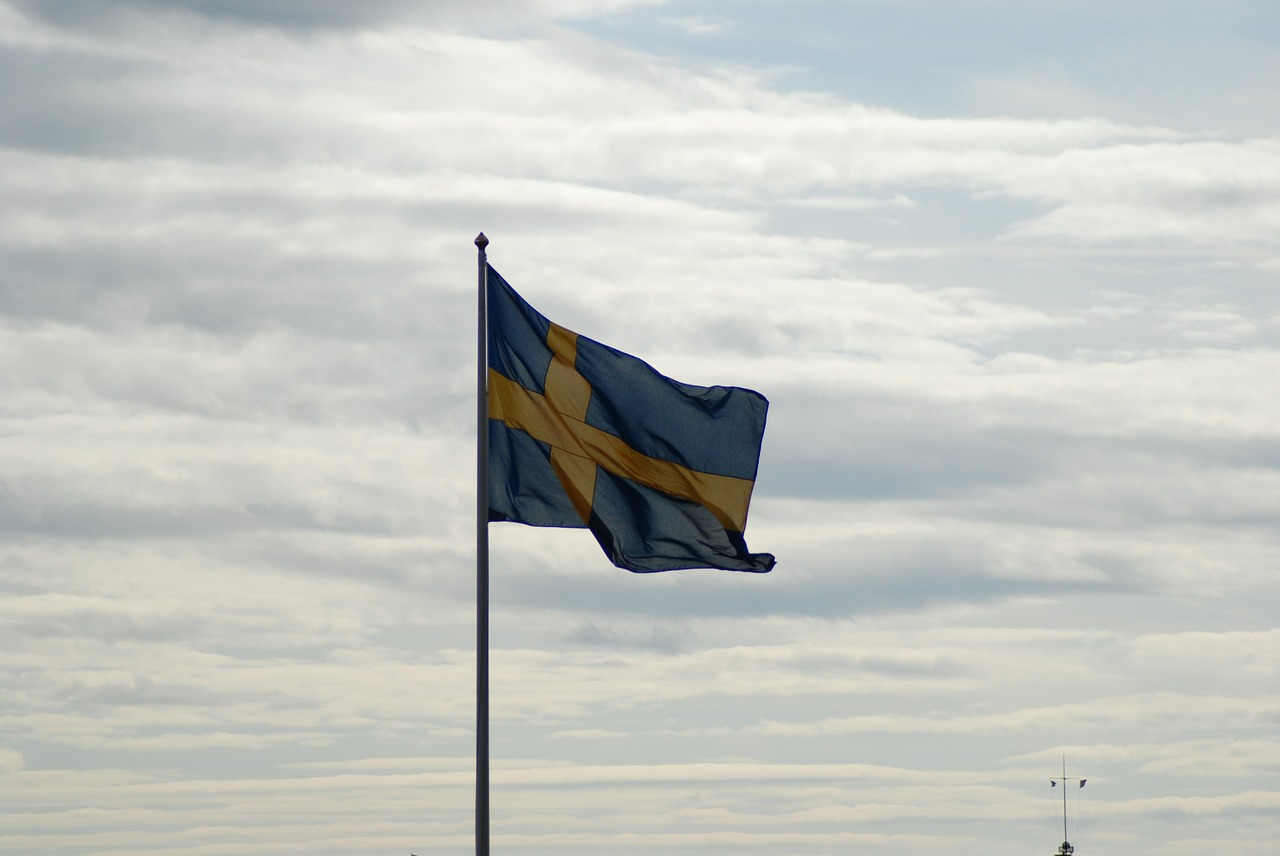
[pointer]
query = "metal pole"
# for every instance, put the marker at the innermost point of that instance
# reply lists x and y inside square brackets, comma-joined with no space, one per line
[482,557]
[1065,837]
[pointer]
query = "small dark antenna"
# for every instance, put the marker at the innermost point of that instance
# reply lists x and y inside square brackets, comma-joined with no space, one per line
[1066,849]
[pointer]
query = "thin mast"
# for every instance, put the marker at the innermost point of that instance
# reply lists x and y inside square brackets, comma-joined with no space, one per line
[482,554]
[1066,849]
[1065,837]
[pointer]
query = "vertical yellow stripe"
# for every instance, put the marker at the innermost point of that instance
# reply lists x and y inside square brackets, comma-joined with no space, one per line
[567,391]
[578,477]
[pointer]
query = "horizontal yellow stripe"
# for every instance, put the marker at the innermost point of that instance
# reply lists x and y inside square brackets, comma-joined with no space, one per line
[724,496]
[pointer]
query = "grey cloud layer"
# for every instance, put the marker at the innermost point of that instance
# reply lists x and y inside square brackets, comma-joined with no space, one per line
[1021,469]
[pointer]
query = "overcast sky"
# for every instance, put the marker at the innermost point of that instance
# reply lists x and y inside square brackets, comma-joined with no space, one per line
[1007,271]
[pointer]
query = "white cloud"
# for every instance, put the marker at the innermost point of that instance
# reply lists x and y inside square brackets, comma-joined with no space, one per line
[697,25]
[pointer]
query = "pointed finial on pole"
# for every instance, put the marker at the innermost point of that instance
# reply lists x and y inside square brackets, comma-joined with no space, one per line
[482,241]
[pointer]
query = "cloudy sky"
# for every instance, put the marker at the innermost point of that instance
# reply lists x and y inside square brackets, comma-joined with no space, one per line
[1007,271]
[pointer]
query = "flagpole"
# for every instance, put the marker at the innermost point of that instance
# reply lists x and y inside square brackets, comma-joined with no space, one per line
[1066,849]
[1065,837]
[482,556]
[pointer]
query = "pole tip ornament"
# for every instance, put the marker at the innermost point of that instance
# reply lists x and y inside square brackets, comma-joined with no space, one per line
[482,241]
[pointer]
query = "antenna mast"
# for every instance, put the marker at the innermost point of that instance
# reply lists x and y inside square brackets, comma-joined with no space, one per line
[1066,849]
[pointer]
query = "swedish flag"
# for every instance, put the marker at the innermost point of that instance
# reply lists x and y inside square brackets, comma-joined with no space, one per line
[582,435]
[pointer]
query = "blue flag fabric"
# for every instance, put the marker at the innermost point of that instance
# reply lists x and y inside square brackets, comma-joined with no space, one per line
[585,436]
